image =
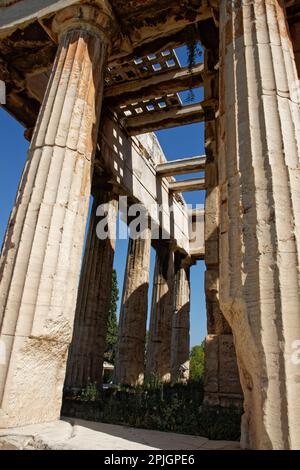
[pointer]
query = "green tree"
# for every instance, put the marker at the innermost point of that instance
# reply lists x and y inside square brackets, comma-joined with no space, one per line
[112,322]
[197,362]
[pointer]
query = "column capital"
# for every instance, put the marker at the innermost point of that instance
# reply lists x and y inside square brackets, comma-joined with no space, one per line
[187,262]
[184,260]
[99,20]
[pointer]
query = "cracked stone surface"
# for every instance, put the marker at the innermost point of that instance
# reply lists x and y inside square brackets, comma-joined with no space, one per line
[69,434]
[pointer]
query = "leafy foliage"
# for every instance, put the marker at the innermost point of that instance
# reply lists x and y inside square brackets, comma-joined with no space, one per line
[194,51]
[177,408]
[90,393]
[197,362]
[112,322]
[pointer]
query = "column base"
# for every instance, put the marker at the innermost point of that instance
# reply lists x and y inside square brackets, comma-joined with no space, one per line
[34,387]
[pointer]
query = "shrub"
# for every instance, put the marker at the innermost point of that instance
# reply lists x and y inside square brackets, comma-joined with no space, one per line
[177,408]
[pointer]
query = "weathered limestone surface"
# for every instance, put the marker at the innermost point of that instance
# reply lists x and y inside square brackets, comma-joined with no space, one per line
[216,323]
[41,256]
[180,343]
[260,223]
[158,360]
[196,235]
[85,362]
[221,378]
[130,353]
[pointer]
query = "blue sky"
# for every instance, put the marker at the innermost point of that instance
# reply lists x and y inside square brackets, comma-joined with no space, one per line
[177,143]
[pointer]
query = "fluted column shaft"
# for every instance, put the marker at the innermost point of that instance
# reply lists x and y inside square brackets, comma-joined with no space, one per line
[130,353]
[216,323]
[259,150]
[180,343]
[85,361]
[41,256]
[221,378]
[158,361]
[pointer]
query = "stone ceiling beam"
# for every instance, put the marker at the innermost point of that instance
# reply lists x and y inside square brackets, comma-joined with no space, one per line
[197,254]
[159,26]
[153,121]
[194,184]
[181,167]
[170,41]
[156,85]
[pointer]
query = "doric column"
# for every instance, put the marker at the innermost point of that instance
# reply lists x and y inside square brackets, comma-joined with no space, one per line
[180,343]
[259,142]
[158,360]
[216,323]
[130,353]
[221,378]
[41,256]
[85,362]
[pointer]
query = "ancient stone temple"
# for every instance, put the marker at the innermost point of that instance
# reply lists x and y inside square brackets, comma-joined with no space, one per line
[90,81]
